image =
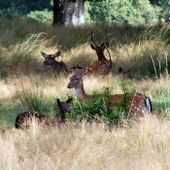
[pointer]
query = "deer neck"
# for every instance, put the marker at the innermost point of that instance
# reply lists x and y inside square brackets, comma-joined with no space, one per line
[62,116]
[80,92]
[55,65]
[101,56]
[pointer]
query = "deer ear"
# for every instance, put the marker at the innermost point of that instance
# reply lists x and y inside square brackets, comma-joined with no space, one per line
[69,100]
[44,54]
[93,46]
[58,102]
[120,70]
[57,54]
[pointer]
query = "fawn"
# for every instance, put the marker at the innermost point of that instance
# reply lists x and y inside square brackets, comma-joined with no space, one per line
[23,120]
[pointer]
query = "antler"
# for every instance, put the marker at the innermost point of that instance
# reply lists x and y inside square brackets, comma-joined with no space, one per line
[106,45]
[93,38]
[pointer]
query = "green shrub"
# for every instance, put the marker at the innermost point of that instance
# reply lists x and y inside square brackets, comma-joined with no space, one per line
[44,16]
[99,107]
[21,7]
[133,12]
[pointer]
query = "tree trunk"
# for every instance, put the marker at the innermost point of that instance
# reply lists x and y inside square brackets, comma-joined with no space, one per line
[74,12]
[58,12]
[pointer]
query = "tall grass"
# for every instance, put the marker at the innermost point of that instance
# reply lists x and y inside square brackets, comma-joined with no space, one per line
[143,145]
[84,146]
[34,99]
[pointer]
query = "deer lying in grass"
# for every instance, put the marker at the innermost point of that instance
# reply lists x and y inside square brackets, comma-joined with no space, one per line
[23,120]
[50,60]
[102,65]
[136,105]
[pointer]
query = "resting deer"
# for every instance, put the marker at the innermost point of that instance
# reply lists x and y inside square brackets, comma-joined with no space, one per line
[102,65]
[50,60]
[24,119]
[137,103]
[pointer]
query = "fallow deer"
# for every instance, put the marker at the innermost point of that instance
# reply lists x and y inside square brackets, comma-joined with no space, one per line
[24,119]
[102,65]
[136,105]
[50,60]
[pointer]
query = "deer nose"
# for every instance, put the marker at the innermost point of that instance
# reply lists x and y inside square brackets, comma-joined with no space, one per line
[45,63]
[69,86]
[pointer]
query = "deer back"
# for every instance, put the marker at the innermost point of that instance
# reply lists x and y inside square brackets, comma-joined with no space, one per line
[98,67]
[136,104]
[24,119]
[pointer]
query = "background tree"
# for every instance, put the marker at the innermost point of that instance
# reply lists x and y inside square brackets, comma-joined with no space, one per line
[12,8]
[74,12]
[58,11]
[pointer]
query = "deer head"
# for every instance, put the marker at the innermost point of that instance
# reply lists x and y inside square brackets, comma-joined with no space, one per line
[101,57]
[64,106]
[76,79]
[99,48]
[50,60]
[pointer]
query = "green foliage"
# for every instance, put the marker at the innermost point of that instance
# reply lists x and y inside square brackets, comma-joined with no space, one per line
[44,16]
[124,11]
[100,11]
[99,107]
[165,9]
[133,12]
[10,8]
[123,103]
[77,111]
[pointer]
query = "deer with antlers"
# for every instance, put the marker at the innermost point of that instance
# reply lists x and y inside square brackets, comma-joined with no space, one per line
[50,60]
[24,119]
[102,65]
[136,105]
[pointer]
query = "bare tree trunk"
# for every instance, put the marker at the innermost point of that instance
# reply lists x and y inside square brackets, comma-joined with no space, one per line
[74,12]
[58,12]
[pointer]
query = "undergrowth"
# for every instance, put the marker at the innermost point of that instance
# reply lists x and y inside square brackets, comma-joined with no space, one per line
[99,107]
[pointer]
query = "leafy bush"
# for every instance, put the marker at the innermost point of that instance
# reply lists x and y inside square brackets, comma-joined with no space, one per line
[10,8]
[99,107]
[133,12]
[44,16]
